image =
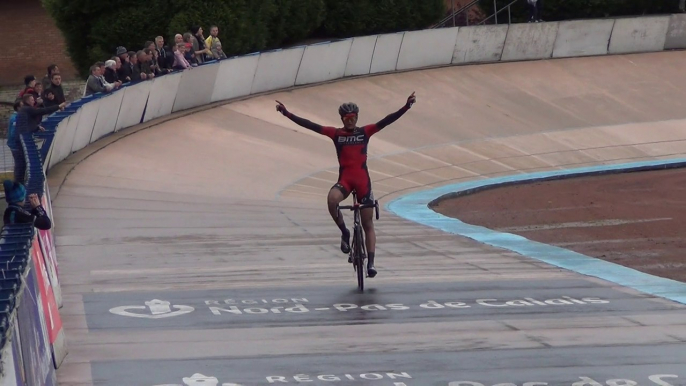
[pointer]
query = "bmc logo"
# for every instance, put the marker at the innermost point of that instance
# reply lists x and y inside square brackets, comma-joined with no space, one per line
[351,138]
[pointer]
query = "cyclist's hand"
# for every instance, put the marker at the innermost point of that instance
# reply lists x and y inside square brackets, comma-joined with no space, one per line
[281,108]
[411,100]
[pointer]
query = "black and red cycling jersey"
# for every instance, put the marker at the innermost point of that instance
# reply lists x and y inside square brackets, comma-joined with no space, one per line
[351,149]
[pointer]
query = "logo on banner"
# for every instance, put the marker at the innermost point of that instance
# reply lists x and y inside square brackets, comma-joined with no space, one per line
[200,380]
[203,380]
[154,309]
[50,309]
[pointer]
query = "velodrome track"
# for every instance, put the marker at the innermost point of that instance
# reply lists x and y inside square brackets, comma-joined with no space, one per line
[224,211]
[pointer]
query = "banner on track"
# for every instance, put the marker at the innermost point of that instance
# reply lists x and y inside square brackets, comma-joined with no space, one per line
[13,366]
[35,346]
[46,247]
[47,244]
[50,309]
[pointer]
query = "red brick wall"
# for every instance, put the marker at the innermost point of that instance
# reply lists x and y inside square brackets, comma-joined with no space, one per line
[475,13]
[32,42]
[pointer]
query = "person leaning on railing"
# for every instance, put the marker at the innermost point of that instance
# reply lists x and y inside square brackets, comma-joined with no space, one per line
[94,84]
[180,62]
[15,195]
[125,70]
[49,98]
[28,121]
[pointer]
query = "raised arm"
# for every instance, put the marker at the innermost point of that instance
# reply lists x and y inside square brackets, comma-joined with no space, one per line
[41,221]
[317,128]
[390,118]
[40,111]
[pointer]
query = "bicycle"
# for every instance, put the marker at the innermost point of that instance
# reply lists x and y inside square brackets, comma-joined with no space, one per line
[358,253]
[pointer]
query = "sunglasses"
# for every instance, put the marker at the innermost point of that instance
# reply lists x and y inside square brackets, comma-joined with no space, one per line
[350,116]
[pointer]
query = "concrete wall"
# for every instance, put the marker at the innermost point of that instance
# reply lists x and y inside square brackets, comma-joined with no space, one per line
[279,69]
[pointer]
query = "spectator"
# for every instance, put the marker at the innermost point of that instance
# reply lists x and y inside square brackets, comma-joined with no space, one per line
[13,117]
[202,52]
[535,11]
[118,68]
[144,64]
[29,117]
[180,62]
[165,58]
[213,41]
[94,84]
[125,71]
[155,65]
[111,75]
[38,90]
[189,53]
[56,88]
[148,48]
[218,52]
[52,69]
[28,121]
[49,98]
[178,38]
[136,75]
[155,62]
[29,83]
[102,79]
[15,194]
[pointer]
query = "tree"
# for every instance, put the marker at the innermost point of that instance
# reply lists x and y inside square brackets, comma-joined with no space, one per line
[347,18]
[93,29]
[556,10]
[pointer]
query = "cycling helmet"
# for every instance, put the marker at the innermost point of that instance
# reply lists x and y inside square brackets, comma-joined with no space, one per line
[348,108]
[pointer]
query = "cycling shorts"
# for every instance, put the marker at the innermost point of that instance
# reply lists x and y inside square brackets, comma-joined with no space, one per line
[357,180]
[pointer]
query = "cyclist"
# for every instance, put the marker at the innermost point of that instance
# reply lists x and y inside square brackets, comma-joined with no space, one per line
[351,144]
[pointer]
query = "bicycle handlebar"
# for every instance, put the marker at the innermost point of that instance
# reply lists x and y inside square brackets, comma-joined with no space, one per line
[360,206]
[353,207]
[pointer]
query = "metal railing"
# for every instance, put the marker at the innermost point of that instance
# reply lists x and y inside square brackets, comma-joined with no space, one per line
[454,14]
[451,20]
[495,14]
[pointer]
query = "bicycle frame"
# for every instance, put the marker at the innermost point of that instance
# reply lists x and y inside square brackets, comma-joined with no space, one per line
[357,247]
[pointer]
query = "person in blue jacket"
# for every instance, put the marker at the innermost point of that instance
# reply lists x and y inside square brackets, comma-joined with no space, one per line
[15,194]
[13,117]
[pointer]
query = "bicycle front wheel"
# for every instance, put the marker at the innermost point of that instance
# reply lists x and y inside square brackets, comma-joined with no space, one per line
[359,258]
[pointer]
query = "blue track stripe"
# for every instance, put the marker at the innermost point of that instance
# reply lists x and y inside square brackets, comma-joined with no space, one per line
[415,207]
